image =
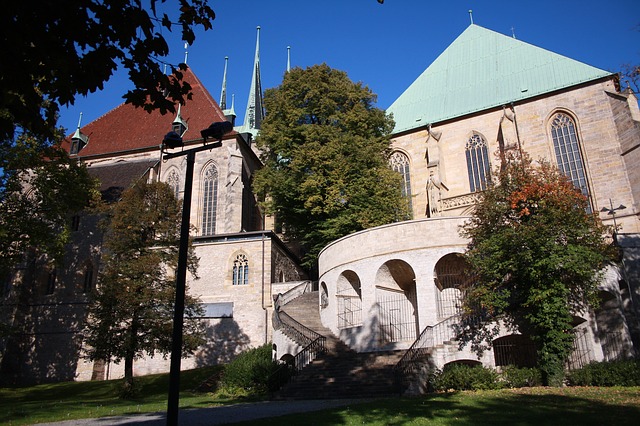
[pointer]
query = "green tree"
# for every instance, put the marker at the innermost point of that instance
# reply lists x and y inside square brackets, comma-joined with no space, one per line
[42,188]
[537,254]
[131,314]
[326,150]
[56,51]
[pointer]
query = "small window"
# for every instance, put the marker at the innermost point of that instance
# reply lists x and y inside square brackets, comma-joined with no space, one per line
[87,284]
[241,270]
[75,222]
[51,282]
[478,166]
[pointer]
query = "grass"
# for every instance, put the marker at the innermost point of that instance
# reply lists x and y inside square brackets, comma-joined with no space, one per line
[78,400]
[526,406]
[583,406]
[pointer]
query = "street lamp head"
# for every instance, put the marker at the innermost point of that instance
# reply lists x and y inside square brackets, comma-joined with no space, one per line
[216,131]
[172,140]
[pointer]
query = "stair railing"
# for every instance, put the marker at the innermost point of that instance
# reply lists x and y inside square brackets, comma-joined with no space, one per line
[312,342]
[430,337]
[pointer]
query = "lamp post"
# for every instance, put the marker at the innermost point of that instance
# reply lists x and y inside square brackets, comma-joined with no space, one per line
[173,140]
[612,212]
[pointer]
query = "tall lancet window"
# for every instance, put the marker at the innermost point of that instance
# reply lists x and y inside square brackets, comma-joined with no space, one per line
[241,270]
[173,180]
[567,149]
[400,163]
[478,166]
[209,199]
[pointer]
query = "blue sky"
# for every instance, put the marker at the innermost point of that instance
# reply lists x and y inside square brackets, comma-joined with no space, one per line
[384,46]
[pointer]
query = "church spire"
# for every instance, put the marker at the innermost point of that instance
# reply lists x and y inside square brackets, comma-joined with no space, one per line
[255,111]
[223,92]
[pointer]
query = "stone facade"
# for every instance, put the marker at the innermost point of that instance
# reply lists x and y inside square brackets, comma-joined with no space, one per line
[381,288]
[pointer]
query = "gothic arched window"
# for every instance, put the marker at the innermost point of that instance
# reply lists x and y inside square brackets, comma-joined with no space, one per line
[477,163]
[241,270]
[209,200]
[87,284]
[173,180]
[567,148]
[400,163]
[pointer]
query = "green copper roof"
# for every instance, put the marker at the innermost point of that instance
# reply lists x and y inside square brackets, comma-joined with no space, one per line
[483,69]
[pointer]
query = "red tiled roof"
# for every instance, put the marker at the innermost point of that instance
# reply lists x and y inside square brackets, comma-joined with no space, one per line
[128,128]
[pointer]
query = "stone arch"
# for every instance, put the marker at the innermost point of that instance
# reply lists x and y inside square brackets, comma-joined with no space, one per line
[611,330]
[450,278]
[468,362]
[324,295]
[514,349]
[396,300]
[582,348]
[349,298]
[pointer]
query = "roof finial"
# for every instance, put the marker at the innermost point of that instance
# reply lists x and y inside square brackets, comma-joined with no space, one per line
[186,52]
[288,58]
[79,121]
[513,32]
[223,92]
[471,16]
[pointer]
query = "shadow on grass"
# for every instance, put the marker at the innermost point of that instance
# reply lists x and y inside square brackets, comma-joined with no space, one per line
[474,409]
[70,400]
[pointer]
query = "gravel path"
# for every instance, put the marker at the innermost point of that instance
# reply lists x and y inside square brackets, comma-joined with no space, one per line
[218,415]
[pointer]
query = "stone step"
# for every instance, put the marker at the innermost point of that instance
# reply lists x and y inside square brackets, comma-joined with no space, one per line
[340,372]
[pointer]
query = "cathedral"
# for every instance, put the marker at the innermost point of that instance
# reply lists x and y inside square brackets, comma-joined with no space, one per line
[388,287]
[378,289]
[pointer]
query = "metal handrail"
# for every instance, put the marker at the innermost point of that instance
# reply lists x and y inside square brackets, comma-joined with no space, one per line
[313,342]
[430,337]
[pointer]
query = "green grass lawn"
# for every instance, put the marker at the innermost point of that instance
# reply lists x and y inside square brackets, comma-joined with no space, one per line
[527,406]
[573,406]
[78,400]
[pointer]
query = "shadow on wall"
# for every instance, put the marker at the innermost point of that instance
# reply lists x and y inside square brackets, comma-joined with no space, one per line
[366,336]
[224,340]
[44,348]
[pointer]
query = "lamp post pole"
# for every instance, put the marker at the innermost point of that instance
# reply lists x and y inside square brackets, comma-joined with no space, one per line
[216,131]
[178,315]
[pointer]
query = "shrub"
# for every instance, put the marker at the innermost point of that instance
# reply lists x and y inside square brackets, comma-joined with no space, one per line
[250,371]
[465,377]
[614,373]
[515,377]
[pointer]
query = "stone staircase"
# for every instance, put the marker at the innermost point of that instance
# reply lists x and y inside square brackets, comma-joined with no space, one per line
[340,372]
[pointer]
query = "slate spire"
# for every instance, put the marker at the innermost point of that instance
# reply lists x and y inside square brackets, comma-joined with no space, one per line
[255,110]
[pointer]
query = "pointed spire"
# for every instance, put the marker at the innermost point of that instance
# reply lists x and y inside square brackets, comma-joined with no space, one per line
[471,16]
[223,92]
[186,52]
[255,111]
[288,58]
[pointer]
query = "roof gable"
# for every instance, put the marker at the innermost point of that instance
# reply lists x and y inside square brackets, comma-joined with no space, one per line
[483,69]
[127,128]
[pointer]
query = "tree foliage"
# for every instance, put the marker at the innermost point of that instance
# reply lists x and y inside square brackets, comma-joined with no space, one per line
[41,189]
[325,149]
[537,254]
[56,51]
[132,310]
